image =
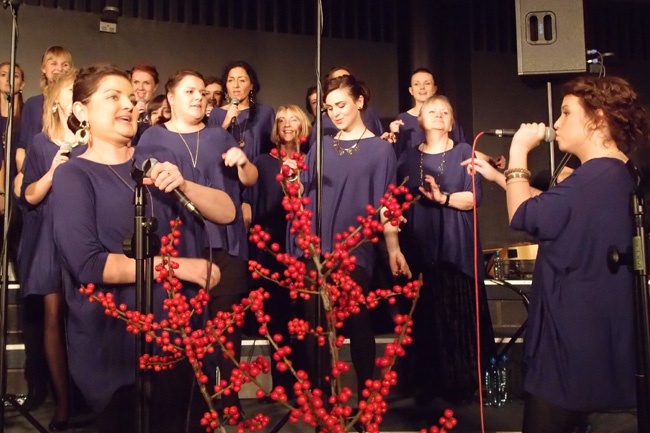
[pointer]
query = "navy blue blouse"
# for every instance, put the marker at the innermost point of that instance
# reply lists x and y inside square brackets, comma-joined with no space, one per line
[579,342]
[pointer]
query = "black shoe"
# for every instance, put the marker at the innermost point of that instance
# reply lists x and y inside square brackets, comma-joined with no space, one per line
[55,426]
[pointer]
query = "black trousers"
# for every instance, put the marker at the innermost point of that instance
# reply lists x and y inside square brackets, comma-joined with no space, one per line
[357,328]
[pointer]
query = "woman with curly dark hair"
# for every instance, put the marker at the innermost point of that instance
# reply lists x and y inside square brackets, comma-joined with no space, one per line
[580,339]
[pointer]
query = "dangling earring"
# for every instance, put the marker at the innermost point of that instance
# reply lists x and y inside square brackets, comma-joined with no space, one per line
[251,99]
[54,108]
[82,135]
[227,97]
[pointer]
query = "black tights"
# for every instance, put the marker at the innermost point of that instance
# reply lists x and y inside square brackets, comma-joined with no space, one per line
[357,328]
[541,416]
[231,289]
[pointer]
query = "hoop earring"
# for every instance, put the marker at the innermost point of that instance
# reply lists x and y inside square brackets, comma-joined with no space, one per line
[82,136]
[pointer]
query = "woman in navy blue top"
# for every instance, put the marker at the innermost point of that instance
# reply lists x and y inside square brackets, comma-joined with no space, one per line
[405,131]
[248,121]
[580,342]
[55,60]
[38,262]
[265,198]
[358,167]
[93,212]
[438,240]
[213,153]
[19,84]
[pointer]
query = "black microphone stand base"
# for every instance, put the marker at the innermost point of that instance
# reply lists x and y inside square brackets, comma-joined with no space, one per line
[11,400]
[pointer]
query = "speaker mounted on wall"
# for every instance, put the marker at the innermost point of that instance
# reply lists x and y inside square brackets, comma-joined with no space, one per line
[550,37]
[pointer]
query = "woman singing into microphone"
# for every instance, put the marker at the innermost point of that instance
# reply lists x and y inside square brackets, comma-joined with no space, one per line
[93,212]
[580,340]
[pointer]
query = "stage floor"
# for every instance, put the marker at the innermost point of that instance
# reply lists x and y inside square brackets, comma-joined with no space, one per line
[403,416]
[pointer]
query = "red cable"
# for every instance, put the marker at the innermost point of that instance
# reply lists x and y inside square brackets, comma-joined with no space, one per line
[476,289]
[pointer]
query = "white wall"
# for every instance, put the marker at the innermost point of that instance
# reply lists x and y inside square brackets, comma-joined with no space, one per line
[284,63]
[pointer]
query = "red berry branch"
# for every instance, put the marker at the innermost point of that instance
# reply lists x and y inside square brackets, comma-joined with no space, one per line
[328,278]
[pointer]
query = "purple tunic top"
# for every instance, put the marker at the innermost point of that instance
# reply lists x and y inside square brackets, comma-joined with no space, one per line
[411,134]
[579,342]
[31,121]
[205,148]
[256,133]
[436,233]
[38,262]
[265,198]
[350,183]
[92,213]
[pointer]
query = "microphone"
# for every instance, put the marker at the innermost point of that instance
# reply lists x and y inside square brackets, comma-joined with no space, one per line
[66,149]
[148,164]
[234,102]
[549,135]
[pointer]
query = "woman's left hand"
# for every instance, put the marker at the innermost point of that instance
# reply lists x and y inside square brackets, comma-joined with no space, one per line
[433,192]
[235,157]
[166,177]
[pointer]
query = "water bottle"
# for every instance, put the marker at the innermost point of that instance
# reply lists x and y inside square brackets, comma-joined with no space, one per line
[489,384]
[498,266]
[503,380]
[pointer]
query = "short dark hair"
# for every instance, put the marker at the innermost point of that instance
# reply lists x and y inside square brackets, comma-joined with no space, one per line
[148,68]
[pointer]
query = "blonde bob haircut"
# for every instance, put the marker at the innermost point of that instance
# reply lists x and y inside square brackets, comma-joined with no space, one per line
[299,113]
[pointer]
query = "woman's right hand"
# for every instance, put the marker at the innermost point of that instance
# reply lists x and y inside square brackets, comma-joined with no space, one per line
[528,137]
[231,112]
[58,159]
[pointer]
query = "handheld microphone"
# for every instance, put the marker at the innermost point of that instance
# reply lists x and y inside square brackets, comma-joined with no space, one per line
[148,164]
[549,135]
[234,102]
[66,149]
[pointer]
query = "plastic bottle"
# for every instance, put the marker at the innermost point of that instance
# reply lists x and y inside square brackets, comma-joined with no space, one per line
[498,266]
[503,380]
[489,383]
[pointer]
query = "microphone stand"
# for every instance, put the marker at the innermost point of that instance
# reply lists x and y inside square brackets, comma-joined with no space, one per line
[638,259]
[8,399]
[642,319]
[142,246]
[319,189]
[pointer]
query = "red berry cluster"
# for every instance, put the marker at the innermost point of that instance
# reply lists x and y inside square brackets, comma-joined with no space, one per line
[329,279]
[447,422]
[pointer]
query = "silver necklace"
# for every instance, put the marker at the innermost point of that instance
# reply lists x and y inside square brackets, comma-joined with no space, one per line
[346,150]
[120,177]
[438,173]
[193,158]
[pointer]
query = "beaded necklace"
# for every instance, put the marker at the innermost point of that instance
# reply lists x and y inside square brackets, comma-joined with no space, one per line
[441,167]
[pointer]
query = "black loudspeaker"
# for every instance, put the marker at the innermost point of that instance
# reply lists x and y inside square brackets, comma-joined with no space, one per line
[550,37]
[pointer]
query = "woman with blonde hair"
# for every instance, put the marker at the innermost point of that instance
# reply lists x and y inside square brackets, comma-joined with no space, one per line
[38,261]
[55,60]
[290,130]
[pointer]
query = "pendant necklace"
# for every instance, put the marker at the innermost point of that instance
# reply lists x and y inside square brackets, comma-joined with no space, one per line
[193,158]
[346,150]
